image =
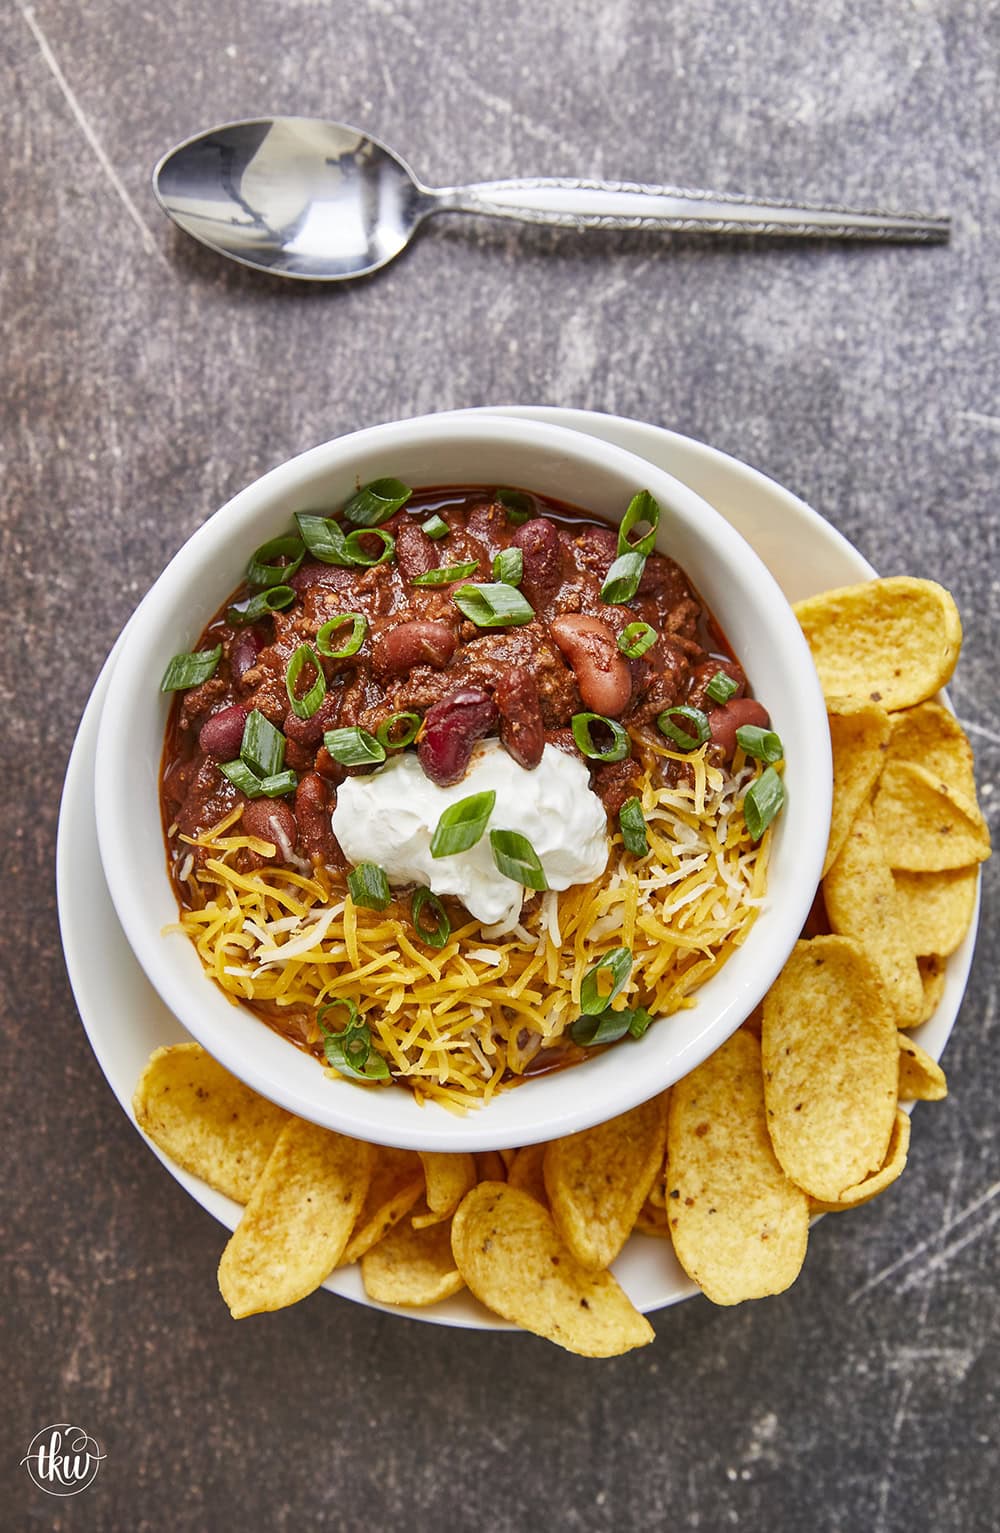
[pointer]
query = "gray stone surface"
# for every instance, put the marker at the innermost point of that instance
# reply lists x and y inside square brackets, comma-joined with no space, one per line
[145,381]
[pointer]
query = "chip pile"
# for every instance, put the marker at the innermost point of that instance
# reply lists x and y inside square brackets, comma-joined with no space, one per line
[796,1114]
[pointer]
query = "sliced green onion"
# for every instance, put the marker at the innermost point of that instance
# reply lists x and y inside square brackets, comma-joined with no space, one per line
[608,1026]
[353,1015]
[636,638]
[351,645]
[622,579]
[633,824]
[262,605]
[278,784]
[762,801]
[721,688]
[494,606]
[190,670]
[516,858]
[761,744]
[446,574]
[263,746]
[620,747]
[243,777]
[351,1052]
[386,734]
[263,572]
[358,555]
[519,506]
[643,509]
[617,966]
[369,886]
[639,1021]
[689,739]
[305,707]
[508,566]
[435,527]
[376,502]
[354,747]
[462,824]
[438,934]
[323,537]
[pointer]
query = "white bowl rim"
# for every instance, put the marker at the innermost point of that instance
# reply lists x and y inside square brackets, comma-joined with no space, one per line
[394,1118]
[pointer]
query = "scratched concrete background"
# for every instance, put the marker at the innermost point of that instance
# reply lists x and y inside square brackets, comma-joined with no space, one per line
[146,381]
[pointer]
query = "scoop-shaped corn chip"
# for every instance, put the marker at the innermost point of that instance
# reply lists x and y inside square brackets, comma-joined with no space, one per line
[861,902]
[510,1254]
[931,736]
[923,826]
[937,908]
[933,973]
[921,1078]
[739,1226]
[412,1265]
[890,1169]
[859,732]
[490,1166]
[892,641]
[397,1181]
[527,1172]
[205,1119]
[449,1178]
[298,1220]
[831,1066]
[597,1180]
[652,1220]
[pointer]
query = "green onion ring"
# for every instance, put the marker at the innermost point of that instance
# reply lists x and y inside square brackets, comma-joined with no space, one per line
[701,730]
[359,628]
[636,638]
[620,747]
[357,555]
[262,572]
[384,732]
[423,899]
[642,508]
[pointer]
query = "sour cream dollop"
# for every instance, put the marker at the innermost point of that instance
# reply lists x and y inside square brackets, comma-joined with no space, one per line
[389,817]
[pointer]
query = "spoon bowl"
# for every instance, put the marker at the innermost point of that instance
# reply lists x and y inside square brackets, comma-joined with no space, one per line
[322,201]
[294,196]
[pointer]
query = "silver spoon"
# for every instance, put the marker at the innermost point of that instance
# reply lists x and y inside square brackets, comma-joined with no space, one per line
[322,201]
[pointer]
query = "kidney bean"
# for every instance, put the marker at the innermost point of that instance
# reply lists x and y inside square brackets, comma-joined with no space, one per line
[309,732]
[222,735]
[399,649]
[601,671]
[312,814]
[334,577]
[243,655]
[272,820]
[724,722]
[539,543]
[521,727]
[451,729]
[415,552]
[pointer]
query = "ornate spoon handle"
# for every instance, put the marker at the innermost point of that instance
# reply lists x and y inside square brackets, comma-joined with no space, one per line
[575,204]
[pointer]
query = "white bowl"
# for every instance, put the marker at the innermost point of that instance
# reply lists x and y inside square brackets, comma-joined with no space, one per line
[600,478]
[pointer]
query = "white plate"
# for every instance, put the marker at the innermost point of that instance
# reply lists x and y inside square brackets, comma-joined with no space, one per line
[125,1019]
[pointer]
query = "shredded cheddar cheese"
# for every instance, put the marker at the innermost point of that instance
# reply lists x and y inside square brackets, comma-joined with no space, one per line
[461,1022]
